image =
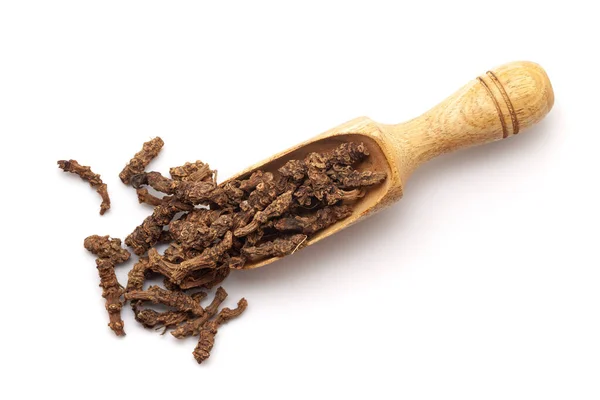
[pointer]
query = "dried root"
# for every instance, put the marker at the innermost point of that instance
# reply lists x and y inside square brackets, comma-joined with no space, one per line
[209,330]
[110,253]
[197,171]
[177,300]
[149,232]
[193,326]
[169,319]
[140,161]
[94,180]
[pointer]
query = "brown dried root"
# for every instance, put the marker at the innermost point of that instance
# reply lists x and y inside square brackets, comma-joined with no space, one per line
[190,192]
[138,274]
[209,330]
[192,327]
[264,194]
[233,192]
[201,216]
[281,205]
[140,161]
[156,181]
[257,177]
[279,247]
[197,235]
[110,253]
[111,291]
[149,232]
[205,278]
[105,247]
[294,169]
[177,300]
[208,259]
[94,180]
[197,171]
[313,222]
[320,186]
[349,178]
[153,319]
[347,153]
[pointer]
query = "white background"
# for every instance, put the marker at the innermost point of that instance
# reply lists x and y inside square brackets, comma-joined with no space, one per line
[482,283]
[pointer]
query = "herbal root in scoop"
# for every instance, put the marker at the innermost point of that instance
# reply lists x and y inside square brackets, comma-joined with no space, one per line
[212,228]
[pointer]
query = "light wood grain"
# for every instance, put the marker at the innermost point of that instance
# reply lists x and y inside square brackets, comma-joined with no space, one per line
[497,105]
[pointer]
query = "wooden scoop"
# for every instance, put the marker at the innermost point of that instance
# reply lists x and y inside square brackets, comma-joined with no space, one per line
[497,105]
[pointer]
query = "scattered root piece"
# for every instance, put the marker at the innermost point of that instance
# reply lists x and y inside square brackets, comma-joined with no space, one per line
[192,327]
[209,330]
[153,319]
[140,161]
[177,300]
[94,180]
[110,253]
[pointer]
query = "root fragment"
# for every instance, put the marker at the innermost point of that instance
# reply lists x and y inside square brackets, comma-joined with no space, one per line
[93,179]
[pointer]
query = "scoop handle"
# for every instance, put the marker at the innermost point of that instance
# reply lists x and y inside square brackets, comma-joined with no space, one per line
[499,104]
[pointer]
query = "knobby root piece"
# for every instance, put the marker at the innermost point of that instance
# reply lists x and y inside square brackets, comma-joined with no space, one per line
[110,253]
[198,236]
[349,178]
[153,319]
[279,206]
[346,154]
[294,169]
[257,177]
[94,180]
[105,247]
[206,278]
[111,291]
[192,327]
[140,161]
[196,171]
[156,181]
[189,192]
[313,222]
[177,300]
[279,247]
[263,195]
[208,259]
[234,194]
[200,216]
[149,232]
[137,275]
[209,330]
